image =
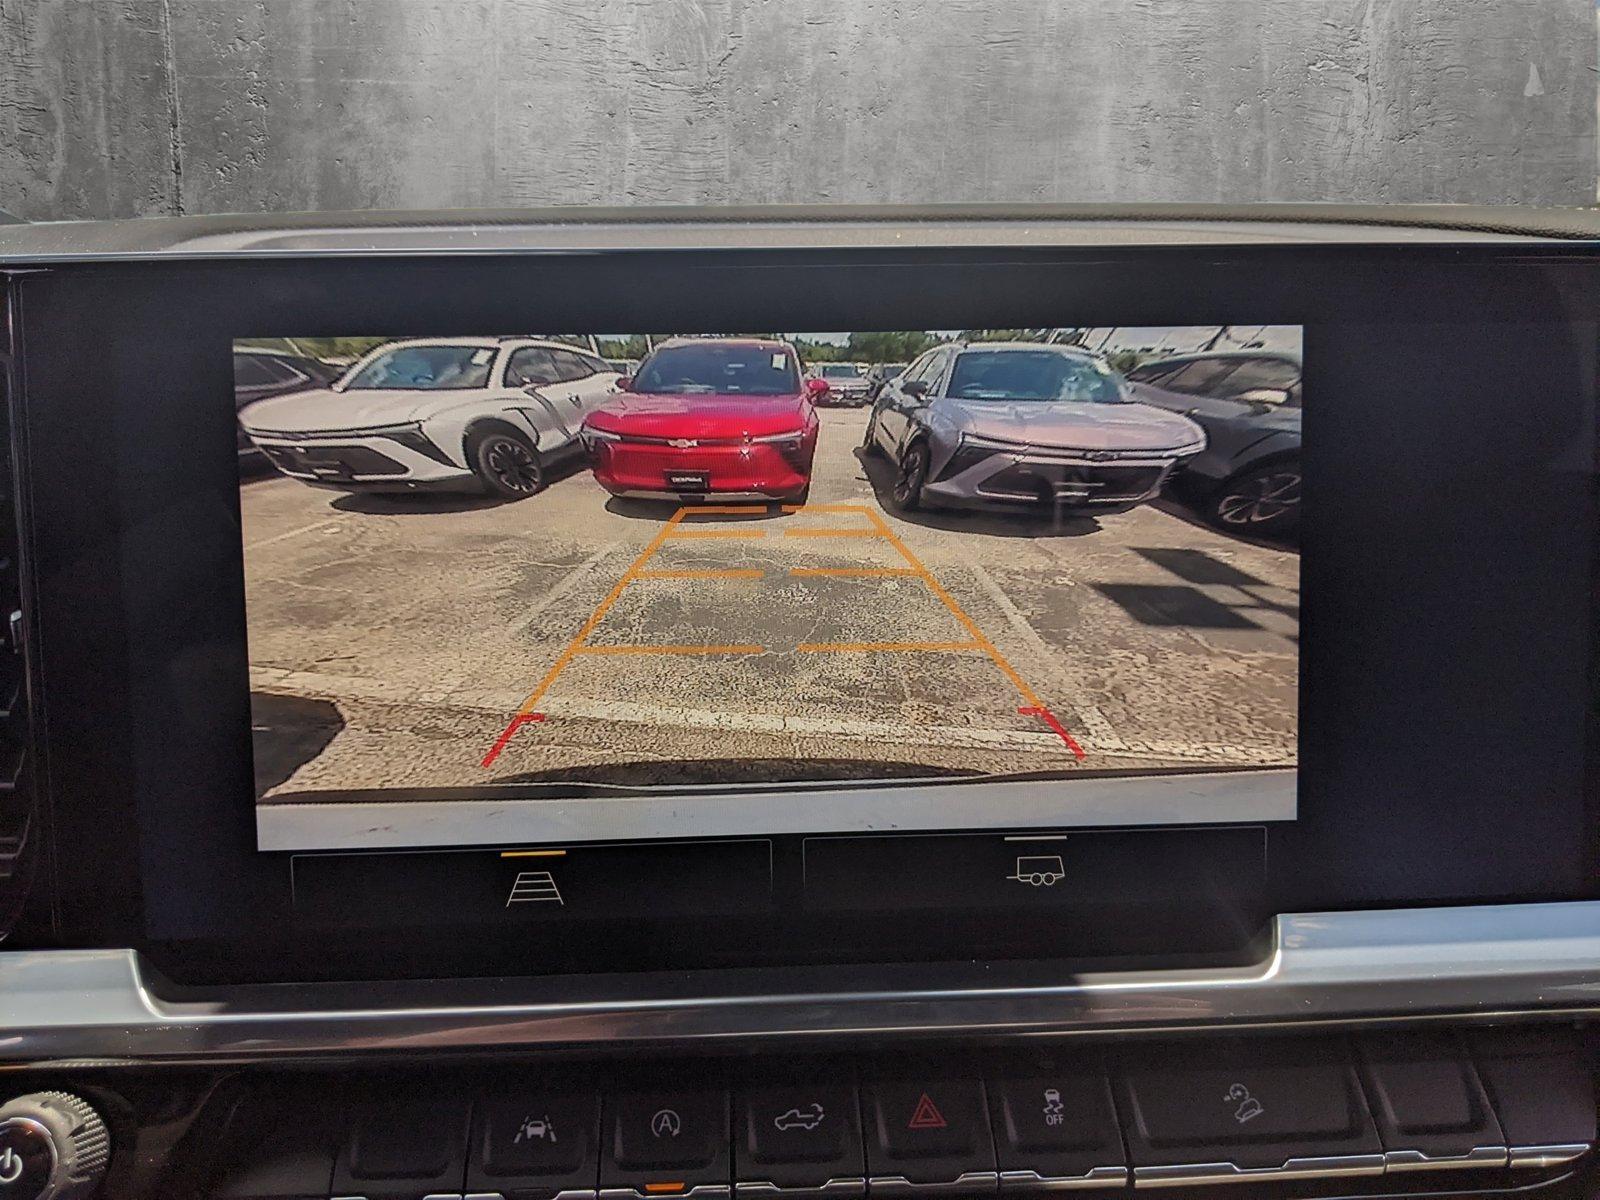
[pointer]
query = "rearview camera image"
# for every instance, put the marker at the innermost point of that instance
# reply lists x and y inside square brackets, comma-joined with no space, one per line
[506,589]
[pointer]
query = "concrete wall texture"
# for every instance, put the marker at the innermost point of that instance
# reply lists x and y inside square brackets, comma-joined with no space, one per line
[114,108]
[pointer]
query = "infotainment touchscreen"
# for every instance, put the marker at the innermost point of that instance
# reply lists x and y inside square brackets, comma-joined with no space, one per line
[622,586]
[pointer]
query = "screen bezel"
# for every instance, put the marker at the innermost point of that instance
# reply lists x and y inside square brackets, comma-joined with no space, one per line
[87,327]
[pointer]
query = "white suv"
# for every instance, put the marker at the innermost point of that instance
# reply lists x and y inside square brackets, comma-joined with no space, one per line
[454,414]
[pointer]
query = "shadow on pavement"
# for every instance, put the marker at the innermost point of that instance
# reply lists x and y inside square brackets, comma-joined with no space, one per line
[407,503]
[289,731]
[1020,522]
[1171,605]
[654,772]
[661,511]
[1176,508]
[1196,566]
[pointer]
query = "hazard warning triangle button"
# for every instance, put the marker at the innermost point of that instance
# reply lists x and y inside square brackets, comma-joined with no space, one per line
[934,1119]
[927,1115]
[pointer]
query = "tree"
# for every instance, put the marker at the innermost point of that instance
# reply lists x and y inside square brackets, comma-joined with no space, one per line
[888,346]
[1005,335]
[635,345]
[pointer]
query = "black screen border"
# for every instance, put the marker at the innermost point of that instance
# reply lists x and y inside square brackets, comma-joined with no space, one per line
[89,330]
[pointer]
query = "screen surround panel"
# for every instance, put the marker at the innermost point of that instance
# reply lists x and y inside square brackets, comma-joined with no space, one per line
[1404,787]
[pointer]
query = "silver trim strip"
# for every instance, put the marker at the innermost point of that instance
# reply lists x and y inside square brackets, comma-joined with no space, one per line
[468,232]
[834,1187]
[899,1185]
[1032,1181]
[1529,1157]
[1347,969]
[1179,1174]
[933,806]
[711,1191]
[1416,1160]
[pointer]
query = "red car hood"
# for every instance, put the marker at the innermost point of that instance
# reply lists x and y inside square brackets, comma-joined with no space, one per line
[700,416]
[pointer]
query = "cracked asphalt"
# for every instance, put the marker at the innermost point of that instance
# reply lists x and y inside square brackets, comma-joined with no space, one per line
[392,639]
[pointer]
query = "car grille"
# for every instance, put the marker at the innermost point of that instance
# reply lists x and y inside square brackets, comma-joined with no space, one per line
[334,461]
[1089,485]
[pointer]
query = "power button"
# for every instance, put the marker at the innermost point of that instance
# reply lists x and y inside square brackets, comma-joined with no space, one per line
[27,1159]
[53,1146]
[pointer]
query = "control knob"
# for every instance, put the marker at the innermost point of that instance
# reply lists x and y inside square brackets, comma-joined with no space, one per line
[53,1146]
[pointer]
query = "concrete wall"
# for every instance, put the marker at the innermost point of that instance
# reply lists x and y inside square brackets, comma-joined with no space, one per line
[138,107]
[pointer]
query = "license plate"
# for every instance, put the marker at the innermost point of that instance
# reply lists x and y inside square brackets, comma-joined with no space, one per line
[689,481]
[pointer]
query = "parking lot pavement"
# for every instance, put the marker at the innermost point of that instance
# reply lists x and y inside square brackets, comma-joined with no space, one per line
[405,642]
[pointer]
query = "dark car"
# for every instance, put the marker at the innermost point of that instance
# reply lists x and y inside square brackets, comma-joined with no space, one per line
[1248,477]
[260,374]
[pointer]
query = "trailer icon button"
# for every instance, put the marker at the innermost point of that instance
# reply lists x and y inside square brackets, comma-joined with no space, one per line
[1039,870]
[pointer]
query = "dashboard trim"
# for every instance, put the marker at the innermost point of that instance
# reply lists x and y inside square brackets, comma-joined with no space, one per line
[576,230]
[1352,968]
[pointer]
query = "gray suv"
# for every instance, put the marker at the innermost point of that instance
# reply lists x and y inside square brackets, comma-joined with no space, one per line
[1008,423]
[1248,402]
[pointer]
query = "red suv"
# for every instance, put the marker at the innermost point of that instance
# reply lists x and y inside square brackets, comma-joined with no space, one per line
[728,417]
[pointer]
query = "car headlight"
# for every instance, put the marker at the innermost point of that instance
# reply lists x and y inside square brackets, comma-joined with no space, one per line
[986,443]
[792,436]
[591,434]
[412,438]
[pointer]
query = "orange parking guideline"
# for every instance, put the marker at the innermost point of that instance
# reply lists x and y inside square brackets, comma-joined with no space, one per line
[673,529]
[644,649]
[933,647]
[599,614]
[959,613]
[850,572]
[738,573]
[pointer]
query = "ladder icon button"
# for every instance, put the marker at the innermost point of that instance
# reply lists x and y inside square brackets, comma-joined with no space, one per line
[535,887]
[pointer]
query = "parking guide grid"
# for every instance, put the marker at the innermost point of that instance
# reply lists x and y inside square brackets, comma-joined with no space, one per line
[879,529]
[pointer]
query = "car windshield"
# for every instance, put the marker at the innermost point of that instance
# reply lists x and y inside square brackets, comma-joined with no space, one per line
[426,368]
[727,370]
[892,370]
[1033,375]
[839,371]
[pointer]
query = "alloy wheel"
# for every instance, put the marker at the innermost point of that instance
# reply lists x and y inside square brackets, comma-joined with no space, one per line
[512,465]
[1261,499]
[908,481]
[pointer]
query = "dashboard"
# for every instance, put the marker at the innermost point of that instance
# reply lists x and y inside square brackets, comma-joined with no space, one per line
[884,702]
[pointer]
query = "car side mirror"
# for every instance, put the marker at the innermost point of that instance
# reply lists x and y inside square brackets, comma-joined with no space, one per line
[917,389]
[1264,398]
[817,387]
[625,383]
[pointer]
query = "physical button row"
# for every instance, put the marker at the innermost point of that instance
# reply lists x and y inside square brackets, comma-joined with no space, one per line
[1185,1114]
[789,1140]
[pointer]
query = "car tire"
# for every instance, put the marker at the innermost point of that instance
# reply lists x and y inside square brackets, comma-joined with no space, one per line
[803,496]
[505,463]
[869,440]
[911,473]
[1263,500]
